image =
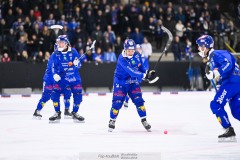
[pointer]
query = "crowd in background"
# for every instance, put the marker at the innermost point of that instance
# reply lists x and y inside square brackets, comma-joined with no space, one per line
[25,34]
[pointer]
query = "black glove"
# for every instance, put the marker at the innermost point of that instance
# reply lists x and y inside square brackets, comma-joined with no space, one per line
[150,74]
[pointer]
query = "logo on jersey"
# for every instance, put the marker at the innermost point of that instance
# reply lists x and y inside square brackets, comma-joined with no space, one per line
[133,62]
[220,99]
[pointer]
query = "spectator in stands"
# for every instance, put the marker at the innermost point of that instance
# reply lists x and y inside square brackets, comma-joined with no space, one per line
[33,46]
[216,15]
[90,22]
[24,56]
[99,55]
[109,56]
[89,56]
[10,18]
[97,34]
[45,40]
[11,43]
[180,29]
[118,46]
[151,29]
[221,30]
[146,48]
[50,21]
[159,34]
[137,36]
[62,21]
[110,34]
[47,56]
[177,49]
[5,58]
[40,57]
[19,48]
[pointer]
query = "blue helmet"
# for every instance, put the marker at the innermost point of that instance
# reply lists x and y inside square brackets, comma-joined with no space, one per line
[129,44]
[205,40]
[64,39]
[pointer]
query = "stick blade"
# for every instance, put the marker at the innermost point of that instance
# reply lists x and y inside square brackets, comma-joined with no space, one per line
[56,27]
[154,80]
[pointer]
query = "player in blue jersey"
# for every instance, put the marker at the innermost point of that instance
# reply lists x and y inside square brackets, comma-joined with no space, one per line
[47,91]
[224,69]
[128,75]
[66,76]
[145,64]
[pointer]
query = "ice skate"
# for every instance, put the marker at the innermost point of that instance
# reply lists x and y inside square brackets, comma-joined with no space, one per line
[146,125]
[77,118]
[228,136]
[111,125]
[55,118]
[125,105]
[37,115]
[67,114]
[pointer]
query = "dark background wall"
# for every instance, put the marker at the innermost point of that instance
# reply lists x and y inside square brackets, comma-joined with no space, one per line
[20,75]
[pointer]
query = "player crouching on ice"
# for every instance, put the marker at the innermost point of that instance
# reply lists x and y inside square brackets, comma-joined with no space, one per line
[224,69]
[66,75]
[127,77]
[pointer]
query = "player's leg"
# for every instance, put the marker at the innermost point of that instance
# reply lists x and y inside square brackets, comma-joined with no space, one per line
[119,94]
[57,90]
[76,88]
[135,94]
[46,95]
[67,95]
[217,106]
[126,102]
[234,104]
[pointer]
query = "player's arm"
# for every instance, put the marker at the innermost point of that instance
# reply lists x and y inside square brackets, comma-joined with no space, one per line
[54,67]
[131,71]
[226,63]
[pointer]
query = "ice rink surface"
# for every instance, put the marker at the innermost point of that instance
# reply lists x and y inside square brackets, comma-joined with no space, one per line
[192,129]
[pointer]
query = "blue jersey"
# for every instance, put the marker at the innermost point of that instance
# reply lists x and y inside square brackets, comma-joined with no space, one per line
[61,66]
[226,64]
[129,70]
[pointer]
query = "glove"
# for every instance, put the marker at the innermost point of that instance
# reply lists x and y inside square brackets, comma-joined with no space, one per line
[76,62]
[56,77]
[150,74]
[213,75]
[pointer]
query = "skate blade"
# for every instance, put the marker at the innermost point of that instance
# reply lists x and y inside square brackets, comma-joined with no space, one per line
[226,140]
[125,108]
[56,121]
[36,118]
[77,121]
[149,130]
[68,117]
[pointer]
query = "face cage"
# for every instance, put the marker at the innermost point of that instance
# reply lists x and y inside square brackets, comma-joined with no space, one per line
[202,52]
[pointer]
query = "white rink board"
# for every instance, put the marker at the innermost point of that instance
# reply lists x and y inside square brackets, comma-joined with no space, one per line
[192,129]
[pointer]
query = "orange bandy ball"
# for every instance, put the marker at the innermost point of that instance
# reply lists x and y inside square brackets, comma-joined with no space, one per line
[70,63]
[165,132]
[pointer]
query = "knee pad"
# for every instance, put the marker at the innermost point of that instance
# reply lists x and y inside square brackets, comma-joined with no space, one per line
[46,96]
[215,107]
[117,102]
[77,97]
[138,100]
